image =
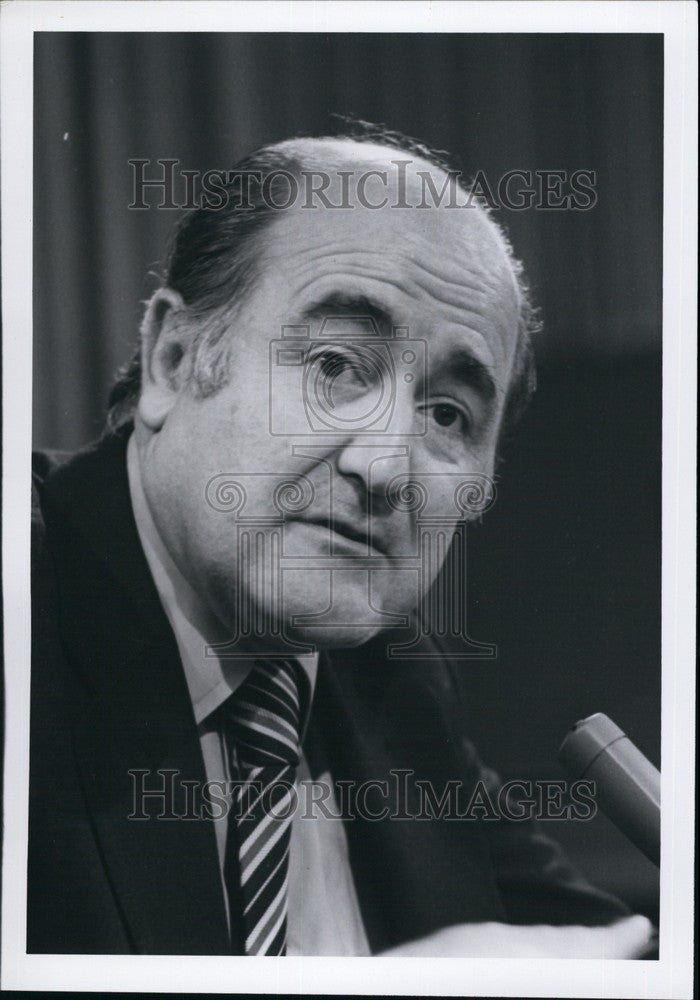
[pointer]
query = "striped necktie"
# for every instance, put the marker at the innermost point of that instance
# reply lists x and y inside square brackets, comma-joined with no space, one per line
[262,722]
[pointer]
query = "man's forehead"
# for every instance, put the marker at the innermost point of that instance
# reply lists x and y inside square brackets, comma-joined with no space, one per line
[389,240]
[434,267]
[364,174]
[383,188]
[412,277]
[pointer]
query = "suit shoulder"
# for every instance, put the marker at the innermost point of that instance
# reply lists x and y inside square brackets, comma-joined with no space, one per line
[44,464]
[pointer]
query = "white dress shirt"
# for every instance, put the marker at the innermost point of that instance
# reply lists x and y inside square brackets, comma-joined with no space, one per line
[324,915]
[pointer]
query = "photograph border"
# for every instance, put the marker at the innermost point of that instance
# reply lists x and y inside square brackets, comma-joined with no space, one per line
[672,974]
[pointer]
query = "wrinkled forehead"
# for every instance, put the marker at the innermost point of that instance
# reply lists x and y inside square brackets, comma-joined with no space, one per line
[365,197]
[433,264]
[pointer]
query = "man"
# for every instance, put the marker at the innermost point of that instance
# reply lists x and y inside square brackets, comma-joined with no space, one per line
[324,369]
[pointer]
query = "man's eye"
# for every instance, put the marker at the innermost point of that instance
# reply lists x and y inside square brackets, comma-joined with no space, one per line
[450,417]
[333,364]
[445,415]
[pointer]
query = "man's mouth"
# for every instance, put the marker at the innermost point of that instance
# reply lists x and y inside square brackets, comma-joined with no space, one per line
[359,535]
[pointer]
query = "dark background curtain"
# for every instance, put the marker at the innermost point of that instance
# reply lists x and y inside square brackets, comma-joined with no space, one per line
[564,573]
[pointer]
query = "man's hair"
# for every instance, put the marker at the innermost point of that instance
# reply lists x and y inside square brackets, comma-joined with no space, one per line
[214,253]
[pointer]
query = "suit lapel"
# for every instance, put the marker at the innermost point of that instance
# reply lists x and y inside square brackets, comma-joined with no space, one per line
[375,717]
[137,718]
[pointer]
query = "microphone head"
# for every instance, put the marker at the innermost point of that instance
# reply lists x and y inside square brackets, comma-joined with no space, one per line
[627,785]
[586,739]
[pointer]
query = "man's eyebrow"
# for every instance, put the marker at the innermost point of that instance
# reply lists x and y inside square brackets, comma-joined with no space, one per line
[463,366]
[350,306]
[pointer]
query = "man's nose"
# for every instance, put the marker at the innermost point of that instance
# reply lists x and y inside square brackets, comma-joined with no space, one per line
[378,458]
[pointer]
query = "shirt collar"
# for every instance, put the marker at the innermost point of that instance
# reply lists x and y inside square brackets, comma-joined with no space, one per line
[211,679]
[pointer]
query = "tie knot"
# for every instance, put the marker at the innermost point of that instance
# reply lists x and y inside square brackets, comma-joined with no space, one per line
[264,714]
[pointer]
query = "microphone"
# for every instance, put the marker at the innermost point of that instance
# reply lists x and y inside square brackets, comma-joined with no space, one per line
[627,785]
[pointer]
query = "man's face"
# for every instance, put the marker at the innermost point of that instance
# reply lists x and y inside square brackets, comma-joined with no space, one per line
[371,357]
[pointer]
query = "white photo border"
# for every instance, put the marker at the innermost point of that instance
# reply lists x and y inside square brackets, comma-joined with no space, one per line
[672,975]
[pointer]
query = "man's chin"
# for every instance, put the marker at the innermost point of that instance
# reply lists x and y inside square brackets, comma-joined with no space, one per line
[341,610]
[318,610]
[333,636]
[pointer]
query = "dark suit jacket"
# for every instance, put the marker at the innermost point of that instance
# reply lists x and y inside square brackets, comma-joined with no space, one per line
[109,696]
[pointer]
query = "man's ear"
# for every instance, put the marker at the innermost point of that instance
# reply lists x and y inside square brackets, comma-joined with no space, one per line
[164,356]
